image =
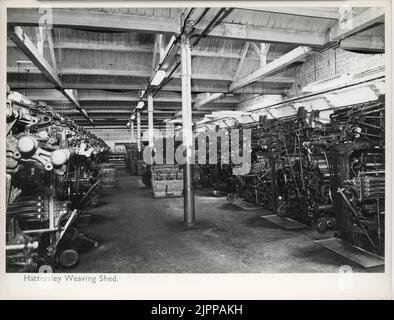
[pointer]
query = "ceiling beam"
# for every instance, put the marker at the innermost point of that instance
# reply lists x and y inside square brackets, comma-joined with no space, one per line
[269,35]
[262,52]
[241,62]
[158,51]
[158,108]
[123,98]
[64,45]
[322,13]
[52,49]
[363,44]
[98,95]
[87,84]
[29,49]
[95,21]
[264,49]
[126,22]
[23,42]
[356,23]
[139,74]
[122,111]
[210,97]
[271,67]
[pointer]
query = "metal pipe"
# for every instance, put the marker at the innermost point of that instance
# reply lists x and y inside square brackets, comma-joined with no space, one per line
[168,78]
[29,245]
[139,133]
[150,118]
[187,130]
[222,17]
[206,30]
[201,16]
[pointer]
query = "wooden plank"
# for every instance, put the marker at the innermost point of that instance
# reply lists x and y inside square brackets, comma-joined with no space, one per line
[264,48]
[285,223]
[322,13]
[196,88]
[210,97]
[28,48]
[40,36]
[146,50]
[262,52]
[166,52]
[69,94]
[144,74]
[158,51]
[127,22]
[97,47]
[352,253]
[269,35]
[363,44]
[52,49]
[93,112]
[244,52]
[96,21]
[111,84]
[48,95]
[356,23]
[215,54]
[272,67]
[256,48]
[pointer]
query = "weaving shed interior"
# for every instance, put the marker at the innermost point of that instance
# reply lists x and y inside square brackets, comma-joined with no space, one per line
[250,67]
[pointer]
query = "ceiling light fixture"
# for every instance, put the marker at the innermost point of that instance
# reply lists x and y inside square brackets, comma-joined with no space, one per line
[158,78]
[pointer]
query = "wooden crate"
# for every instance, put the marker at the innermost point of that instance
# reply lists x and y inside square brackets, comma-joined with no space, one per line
[167,188]
[108,176]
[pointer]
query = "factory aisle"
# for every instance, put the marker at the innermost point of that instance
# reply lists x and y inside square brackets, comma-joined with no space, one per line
[139,234]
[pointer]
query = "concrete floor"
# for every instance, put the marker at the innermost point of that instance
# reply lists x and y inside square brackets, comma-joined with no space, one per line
[139,234]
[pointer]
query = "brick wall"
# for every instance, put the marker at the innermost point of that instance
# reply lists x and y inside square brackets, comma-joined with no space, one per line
[319,66]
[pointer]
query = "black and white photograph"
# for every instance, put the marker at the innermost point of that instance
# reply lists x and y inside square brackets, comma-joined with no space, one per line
[196,138]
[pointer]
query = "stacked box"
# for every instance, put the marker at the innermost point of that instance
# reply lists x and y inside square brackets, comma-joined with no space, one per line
[117,159]
[108,175]
[167,181]
[131,157]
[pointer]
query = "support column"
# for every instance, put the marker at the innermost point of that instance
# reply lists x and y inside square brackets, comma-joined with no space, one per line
[188,192]
[139,133]
[150,118]
[132,131]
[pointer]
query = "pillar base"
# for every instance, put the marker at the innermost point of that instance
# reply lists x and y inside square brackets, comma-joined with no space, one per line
[190,224]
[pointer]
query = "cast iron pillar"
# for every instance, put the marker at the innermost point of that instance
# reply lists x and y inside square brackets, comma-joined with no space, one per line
[188,192]
[132,131]
[139,134]
[150,118]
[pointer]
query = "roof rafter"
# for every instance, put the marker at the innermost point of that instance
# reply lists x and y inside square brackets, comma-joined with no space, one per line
[356,23]
[272,67]
[127,22]
[322,13]
[28,48]
[142,74]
